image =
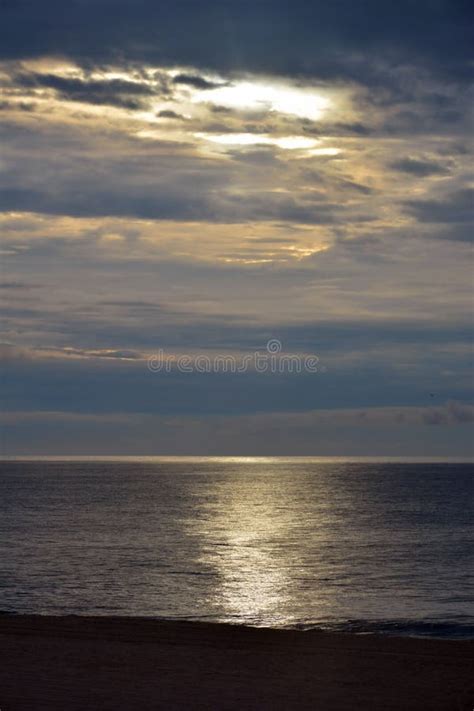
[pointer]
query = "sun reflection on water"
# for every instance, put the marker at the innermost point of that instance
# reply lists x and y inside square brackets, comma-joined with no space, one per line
[252,523]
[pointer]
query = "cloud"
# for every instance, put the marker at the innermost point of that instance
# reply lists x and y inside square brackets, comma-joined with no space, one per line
[456,207]
[452,413]
[173,193]
[323,433]
[112,92]
[167,113]
[362,365]
[420,168]
[196,81]
[267,36]
[17,106]
[16,285]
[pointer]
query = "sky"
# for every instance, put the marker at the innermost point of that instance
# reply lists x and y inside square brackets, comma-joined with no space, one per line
[184,185]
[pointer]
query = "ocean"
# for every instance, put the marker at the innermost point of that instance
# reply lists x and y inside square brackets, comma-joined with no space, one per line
[362,546]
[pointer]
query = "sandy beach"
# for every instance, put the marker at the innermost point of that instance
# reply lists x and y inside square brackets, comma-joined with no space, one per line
[72,663]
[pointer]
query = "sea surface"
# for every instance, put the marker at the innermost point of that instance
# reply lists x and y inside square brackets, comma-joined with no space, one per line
[365,546]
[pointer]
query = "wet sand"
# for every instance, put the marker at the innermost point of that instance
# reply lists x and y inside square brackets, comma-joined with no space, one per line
[86,663]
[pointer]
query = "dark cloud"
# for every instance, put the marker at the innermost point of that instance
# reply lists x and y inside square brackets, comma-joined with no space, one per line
[277,36]
[216,109]
[167,113]
[114,92]
[420,168]
[117,381]
[463,232]
[452,413]
[196,81]
[350,129]
[461,412]
[143,201]
[141,324]
[419,121]
[321,432]
[81,198]
[457,207]
[16,285]
[337,129]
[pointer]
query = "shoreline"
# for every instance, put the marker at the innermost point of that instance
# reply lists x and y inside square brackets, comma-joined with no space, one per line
[391,628]
[82,662]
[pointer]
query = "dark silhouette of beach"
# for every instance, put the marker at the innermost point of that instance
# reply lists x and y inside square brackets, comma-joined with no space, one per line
[87,663]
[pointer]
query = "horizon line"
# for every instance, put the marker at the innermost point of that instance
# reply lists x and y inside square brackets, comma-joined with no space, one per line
[235,457]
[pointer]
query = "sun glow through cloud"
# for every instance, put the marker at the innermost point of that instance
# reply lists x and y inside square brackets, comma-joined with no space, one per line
[259,139]
[260,96]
